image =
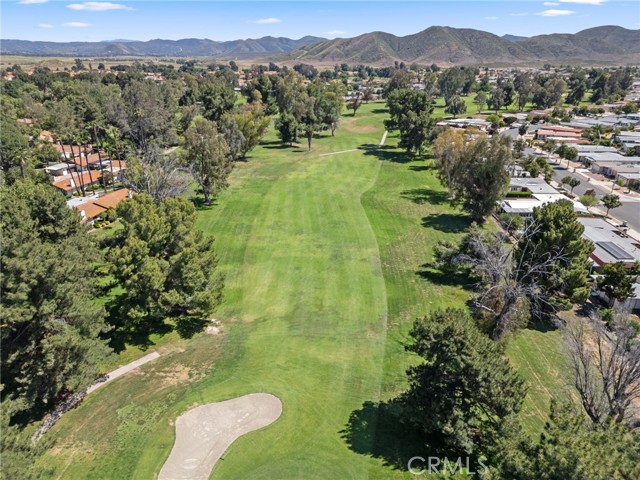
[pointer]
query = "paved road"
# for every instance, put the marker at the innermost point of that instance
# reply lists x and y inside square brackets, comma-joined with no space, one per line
[629,211]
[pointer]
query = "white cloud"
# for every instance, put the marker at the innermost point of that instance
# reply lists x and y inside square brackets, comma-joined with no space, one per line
[335,32]
[550,4]
[555,13]
[491,18]
[31,2]
[98,6]
[45,25]
[267,20]
[523,14]
[76,24]
[584,2]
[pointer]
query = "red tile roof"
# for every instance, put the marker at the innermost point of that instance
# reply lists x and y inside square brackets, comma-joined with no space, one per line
[91,210]
[74,182]
[111,200]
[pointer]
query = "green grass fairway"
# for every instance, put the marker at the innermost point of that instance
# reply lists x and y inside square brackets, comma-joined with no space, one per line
[323,261]
[541,360]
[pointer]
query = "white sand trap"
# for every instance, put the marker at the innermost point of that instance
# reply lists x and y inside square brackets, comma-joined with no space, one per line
[204,433]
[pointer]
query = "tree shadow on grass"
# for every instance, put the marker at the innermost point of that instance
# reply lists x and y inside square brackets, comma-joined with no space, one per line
[447,222]
[280,146]
[379,110]
[188,327]
[438,277]
[425,195]
[388,154]
[422,168]
[125,332]
[201,205]
[377,429]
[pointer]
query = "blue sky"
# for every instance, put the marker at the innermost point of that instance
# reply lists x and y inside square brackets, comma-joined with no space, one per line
[58,20]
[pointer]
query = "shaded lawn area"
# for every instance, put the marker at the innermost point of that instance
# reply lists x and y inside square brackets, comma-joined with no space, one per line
[539,355]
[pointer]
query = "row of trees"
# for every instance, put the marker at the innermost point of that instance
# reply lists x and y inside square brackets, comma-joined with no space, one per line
[304,109]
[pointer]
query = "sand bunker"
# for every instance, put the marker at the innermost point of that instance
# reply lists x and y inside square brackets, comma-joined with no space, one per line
[204,433]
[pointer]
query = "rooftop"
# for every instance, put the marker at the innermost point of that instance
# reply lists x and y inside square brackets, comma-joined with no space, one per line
[610,245]
[534,185]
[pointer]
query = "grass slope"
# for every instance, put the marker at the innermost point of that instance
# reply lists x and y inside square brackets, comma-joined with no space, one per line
[323,261]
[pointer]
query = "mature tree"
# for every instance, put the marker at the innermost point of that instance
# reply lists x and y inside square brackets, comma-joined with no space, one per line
[400,80]
[14,147]
[233,136]
[480,100]
[410,113]
[165,266]
[51,320]
[218,97]
[466,388]
[287,128]
[606,367]
[516,281]
[207,156]
[618,281]
[578,89]
[482,181]
[160,175]
[310,122]
[329,106]
[525,85]
[354,102]
[567,152]
[367,94]
[292,95]
[550,92]
[571,181]
[571,447]
[506,85]
[251,122]
[611,201]
[497,100]
[589,200]
[149,110]
[448,149]
[456,106]
[519,147]
[451,82]
[557,234]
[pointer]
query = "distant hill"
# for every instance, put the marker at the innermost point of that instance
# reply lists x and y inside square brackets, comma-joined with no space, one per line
[514,38]
[435,44]
[441,45]
[595,44]
[448,45]
[188,47]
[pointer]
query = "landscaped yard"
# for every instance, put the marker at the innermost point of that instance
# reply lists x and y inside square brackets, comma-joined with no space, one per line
[323,258]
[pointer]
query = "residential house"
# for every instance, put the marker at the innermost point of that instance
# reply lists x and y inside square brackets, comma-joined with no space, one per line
[584,150]
[74,182]
[541,194]
[612,245]
[93,208]
[57,170]
[559,134]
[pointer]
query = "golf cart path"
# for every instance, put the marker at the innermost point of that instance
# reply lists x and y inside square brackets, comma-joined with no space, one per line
[381,144]
[118,372]
[204,433]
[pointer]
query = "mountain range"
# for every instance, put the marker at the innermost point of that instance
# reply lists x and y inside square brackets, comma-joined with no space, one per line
[446,45]
[441,45]
[188,47]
